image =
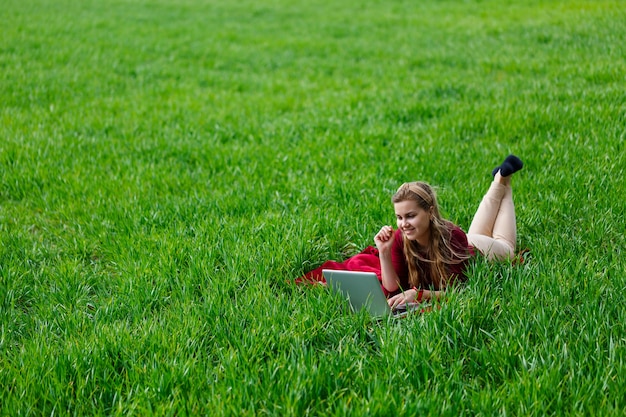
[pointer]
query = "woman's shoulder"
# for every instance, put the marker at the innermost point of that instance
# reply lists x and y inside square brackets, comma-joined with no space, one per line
[455,230]
[458,239]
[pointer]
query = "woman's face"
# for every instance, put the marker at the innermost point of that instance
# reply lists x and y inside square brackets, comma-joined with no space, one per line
[413,220]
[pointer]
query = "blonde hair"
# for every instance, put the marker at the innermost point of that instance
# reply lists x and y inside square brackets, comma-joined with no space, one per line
[439,253]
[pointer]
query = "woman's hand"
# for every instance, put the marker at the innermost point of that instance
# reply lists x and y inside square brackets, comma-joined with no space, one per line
[407,296]
[384,239]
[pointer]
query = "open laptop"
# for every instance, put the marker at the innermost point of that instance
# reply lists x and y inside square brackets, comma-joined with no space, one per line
[362,289]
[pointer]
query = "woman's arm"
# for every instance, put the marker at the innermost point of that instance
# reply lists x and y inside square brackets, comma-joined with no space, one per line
[388,274]
[414,295]
[384,242]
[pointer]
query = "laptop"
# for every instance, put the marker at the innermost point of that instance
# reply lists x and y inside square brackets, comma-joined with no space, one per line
[362,290]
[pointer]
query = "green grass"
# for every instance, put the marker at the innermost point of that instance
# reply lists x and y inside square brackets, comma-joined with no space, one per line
[168,167]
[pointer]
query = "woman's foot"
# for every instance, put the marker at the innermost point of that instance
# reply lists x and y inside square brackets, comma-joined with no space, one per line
[510,166]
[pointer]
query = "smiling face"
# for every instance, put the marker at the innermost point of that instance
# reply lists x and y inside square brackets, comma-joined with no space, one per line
[413,220]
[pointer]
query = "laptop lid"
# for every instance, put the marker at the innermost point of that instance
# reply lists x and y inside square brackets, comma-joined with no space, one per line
[362,289]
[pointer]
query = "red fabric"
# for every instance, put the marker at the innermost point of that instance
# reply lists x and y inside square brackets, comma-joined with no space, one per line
[366,261]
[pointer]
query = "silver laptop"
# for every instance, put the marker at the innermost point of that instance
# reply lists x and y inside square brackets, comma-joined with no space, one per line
[362,290]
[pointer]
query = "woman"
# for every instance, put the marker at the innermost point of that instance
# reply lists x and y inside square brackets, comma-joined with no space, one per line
[427,253]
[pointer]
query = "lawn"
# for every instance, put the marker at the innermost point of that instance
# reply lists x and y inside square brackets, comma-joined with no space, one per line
[168,168]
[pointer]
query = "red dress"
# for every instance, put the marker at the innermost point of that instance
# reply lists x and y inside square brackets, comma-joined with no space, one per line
[368,261]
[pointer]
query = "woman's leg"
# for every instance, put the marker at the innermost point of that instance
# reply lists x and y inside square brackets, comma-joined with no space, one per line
[505,226]
[485,217]
[494,230]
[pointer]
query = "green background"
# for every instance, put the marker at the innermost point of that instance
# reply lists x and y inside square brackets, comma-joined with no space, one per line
[169,167]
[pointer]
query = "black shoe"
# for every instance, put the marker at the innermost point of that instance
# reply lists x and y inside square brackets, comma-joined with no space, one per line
[510,166]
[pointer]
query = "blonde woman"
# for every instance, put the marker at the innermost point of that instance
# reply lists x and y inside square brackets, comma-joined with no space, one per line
[427,253]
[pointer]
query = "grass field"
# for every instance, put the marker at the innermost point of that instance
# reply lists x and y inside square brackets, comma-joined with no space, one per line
[167,167]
